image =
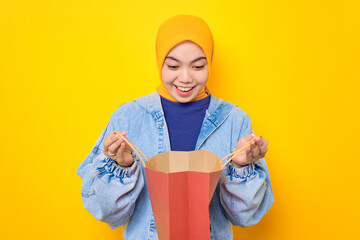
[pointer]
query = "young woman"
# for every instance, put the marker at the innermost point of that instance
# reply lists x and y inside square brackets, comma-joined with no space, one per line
[181,115]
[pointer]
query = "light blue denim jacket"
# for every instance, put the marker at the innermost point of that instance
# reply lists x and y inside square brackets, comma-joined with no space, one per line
[119,196]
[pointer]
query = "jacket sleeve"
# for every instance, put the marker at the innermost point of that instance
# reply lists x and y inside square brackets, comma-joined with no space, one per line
[246,192]
[109,192]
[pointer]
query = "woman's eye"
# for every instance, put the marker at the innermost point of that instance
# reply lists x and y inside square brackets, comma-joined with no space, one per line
[199,67]
[172,67]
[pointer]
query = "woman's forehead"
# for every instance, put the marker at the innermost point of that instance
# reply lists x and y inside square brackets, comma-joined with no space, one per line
[186,49]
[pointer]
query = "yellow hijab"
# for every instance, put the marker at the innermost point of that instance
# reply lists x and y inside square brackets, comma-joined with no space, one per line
[176,30]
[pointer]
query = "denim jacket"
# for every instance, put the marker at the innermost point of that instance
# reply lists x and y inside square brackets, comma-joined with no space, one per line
[119,195]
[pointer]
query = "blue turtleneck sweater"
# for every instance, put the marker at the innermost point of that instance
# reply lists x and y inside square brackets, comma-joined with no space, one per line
[184,121]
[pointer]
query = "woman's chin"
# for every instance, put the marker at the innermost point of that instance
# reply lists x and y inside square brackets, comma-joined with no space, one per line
[183,99]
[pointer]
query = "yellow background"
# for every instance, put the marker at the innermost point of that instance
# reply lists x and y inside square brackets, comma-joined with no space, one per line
[293,66]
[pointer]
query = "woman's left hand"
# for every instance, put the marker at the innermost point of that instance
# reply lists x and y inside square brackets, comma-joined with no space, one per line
[252,153]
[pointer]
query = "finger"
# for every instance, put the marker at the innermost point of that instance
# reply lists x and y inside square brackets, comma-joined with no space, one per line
[124,147]
[110,139]
[246,139]
[256,152]
[254,138]
[120,148]
[117,136]
[127,148]
[266,143]
[259,141]
[114,147]
[123,133]
[114,137]
[263,150]
[249,155]
[252,145]
[106,144]
[243,141]
[263,147]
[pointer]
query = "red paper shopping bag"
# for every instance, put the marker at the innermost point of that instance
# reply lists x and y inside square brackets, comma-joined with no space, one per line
[181,186]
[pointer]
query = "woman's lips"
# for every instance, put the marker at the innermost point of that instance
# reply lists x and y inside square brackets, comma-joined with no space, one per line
[183,93]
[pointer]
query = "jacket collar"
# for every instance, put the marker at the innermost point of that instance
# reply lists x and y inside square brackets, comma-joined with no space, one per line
[217,112]
[215,115]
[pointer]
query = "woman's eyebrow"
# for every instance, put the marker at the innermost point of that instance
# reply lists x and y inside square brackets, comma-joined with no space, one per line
[197,59]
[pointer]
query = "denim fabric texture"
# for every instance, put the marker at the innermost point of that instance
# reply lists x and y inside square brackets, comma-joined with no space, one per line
[119,196]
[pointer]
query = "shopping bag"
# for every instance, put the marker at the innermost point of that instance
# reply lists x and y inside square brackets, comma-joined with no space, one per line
[181,185]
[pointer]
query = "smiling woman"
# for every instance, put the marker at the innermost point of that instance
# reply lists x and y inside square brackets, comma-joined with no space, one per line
[185,71]
[181,115]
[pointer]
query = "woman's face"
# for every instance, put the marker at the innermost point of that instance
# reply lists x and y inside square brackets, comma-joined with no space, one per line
[185,71]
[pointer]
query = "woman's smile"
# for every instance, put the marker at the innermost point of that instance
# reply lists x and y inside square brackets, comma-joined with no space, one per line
[184,91]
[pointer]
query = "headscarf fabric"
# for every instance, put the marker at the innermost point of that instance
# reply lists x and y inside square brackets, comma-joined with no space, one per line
[176,30]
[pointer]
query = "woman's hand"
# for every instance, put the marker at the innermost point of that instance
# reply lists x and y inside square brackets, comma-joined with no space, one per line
[251,153]
[118,150]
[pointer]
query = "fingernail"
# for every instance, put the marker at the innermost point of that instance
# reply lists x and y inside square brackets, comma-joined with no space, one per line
[253,134]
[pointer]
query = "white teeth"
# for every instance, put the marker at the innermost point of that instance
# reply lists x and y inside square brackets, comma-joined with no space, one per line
[183,89]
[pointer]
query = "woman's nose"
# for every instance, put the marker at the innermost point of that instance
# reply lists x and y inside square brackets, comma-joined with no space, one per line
[185,77]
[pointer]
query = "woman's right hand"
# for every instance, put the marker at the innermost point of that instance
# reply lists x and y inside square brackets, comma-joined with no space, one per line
[118,150]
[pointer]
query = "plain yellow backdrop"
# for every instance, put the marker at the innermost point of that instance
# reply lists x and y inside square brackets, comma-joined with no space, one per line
[293,66]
